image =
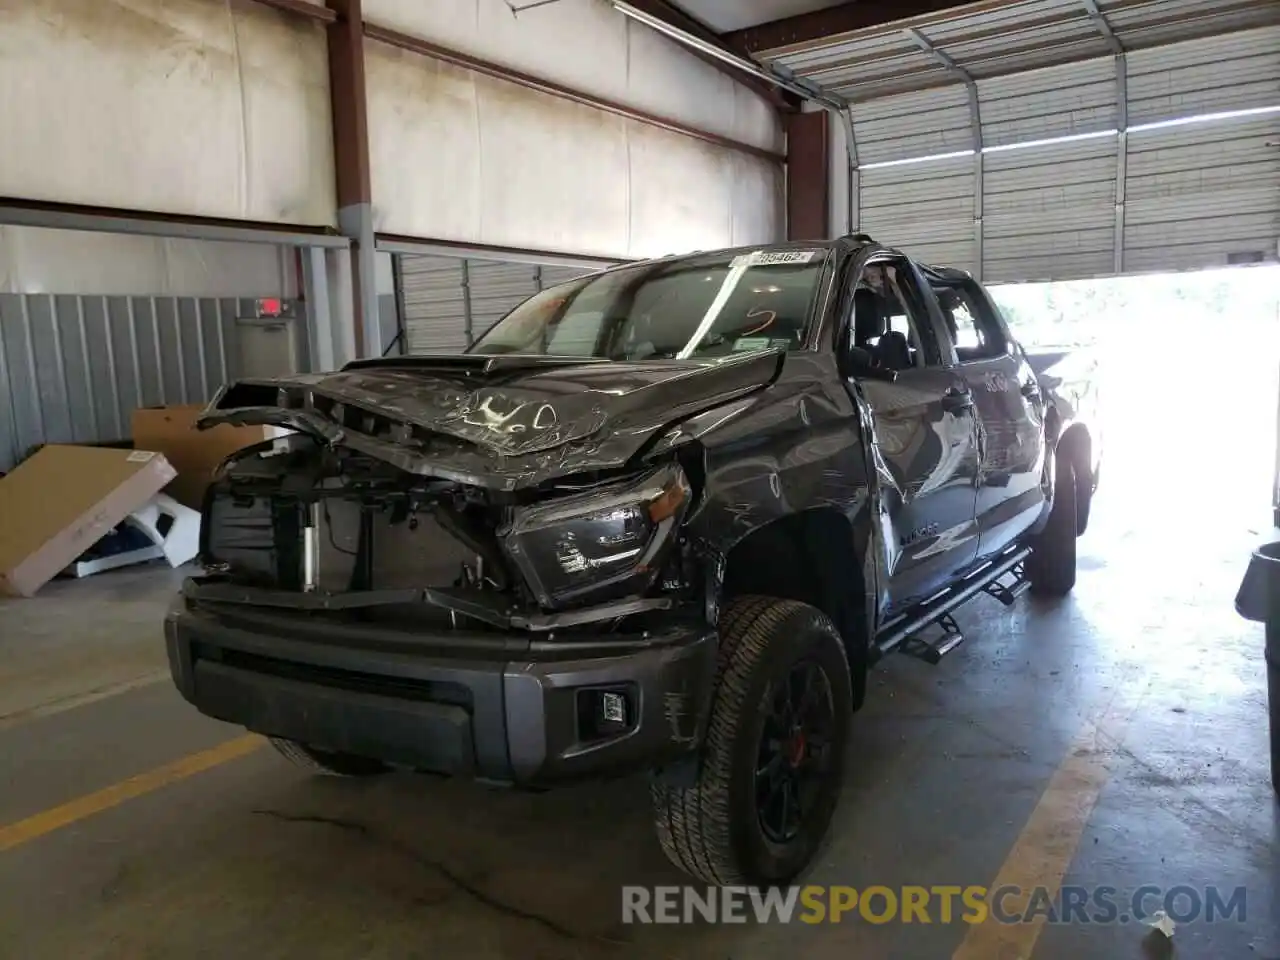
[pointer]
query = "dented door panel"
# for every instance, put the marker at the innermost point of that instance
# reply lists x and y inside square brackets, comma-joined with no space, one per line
[927,464]
[1010,417]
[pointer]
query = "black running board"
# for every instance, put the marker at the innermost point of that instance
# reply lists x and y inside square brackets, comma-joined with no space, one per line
[897,632]
[1008,593]
[932,652]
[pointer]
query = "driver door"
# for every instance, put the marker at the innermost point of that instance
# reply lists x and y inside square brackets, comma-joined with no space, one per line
[925,443]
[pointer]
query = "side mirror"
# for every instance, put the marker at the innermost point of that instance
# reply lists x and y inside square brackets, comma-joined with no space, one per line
[862,365]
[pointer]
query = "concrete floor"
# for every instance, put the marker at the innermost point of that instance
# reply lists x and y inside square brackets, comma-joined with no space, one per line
[959,774]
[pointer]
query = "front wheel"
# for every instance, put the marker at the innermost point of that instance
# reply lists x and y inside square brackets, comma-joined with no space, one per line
[1052,564]
[772,762]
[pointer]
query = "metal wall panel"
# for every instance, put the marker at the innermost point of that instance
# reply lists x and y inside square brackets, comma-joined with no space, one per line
[1049,212]
[924,209]
[1238,71]
[210,109]
[73,368]
[1057,102]
[1204,195]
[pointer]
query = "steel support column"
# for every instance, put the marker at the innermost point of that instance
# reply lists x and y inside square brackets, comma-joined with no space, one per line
[321,353]
[808,176]
[853,170]
[351,164]
[339,272]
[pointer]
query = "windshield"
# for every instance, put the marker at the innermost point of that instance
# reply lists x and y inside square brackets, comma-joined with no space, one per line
[709,305]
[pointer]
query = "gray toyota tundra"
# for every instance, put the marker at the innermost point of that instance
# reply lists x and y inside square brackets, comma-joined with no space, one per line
[661,519]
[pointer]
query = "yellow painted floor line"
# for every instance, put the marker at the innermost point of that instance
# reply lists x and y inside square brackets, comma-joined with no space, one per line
[40,824]
[27,714]
[1044,850]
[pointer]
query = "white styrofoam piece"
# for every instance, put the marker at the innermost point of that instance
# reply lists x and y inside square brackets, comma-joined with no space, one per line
[87,568]
[181,544]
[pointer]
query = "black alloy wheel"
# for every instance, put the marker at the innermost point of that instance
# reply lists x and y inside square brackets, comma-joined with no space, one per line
[794,755]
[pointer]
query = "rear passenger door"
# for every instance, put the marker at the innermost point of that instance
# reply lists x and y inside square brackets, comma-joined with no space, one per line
[1010,413]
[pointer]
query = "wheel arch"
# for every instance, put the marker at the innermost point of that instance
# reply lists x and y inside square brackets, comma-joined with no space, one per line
[814,556]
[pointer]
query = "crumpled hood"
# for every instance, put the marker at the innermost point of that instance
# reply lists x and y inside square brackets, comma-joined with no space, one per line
[520,419]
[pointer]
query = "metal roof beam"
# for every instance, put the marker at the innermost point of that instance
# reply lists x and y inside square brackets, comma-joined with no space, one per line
[843,18]
[1104,26]
[923,42]
[960,73]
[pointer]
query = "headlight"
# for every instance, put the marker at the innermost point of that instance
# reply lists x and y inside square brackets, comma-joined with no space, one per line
[591,542]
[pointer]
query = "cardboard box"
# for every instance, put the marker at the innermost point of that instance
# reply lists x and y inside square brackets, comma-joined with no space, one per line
[64,499]
[195,454]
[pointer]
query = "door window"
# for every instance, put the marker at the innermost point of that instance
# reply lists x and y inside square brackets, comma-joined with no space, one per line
[891,319]
[969,318]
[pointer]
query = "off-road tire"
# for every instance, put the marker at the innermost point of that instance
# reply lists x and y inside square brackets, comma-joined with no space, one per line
[1051,568]
[322,761]
[1086,487]
[711,830]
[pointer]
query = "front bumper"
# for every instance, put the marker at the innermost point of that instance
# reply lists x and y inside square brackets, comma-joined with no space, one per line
[493,706]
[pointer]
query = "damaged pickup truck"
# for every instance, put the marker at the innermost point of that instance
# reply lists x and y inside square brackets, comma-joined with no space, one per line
[662,518]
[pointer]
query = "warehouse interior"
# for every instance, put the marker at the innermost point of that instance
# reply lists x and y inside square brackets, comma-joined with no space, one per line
[198,191]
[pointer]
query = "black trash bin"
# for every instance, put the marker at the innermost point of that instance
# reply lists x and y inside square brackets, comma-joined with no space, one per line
[1259,599]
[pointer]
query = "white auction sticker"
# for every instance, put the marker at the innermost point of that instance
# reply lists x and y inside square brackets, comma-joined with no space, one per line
[766,258]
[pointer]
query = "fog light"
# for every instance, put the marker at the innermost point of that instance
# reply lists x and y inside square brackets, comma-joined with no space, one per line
[607,712]
[613,708]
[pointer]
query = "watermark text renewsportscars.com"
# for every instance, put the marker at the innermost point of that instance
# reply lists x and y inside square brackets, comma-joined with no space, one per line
[934,904]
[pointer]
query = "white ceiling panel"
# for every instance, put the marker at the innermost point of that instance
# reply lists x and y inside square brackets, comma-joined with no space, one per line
[725,15]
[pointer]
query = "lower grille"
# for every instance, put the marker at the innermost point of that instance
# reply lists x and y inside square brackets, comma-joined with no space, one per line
[427,691]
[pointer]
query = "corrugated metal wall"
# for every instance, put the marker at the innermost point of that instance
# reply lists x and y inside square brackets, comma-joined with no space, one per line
[1127,197]
[449,302]
[73,368]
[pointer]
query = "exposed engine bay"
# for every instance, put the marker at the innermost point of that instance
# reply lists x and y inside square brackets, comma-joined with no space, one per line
[299,523]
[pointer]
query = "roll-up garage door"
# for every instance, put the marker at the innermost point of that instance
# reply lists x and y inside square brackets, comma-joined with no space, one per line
[1163,158]
[1206,194]
[449,301]
[433,296]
